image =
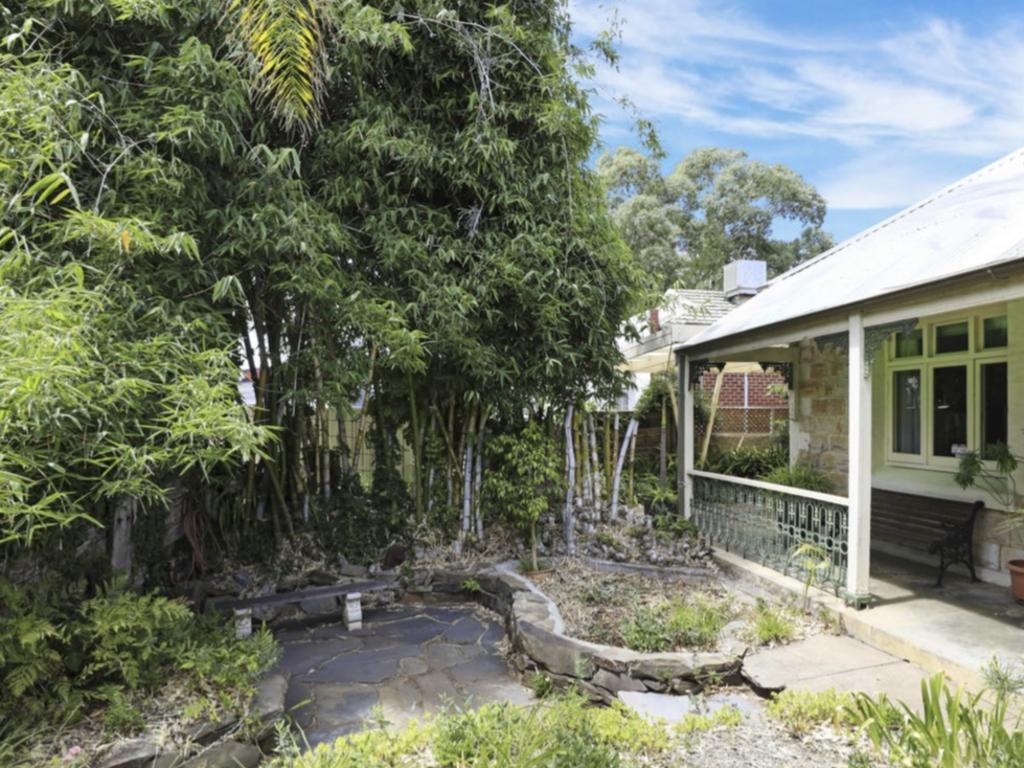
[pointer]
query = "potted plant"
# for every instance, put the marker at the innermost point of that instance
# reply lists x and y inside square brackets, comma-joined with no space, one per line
[995,475]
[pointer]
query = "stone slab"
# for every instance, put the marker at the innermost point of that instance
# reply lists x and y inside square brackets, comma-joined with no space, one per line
[815,657]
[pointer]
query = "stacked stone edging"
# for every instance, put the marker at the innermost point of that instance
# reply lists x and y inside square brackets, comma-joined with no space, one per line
[536,631]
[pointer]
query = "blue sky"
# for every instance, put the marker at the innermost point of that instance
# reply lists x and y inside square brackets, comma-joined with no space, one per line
[878,104]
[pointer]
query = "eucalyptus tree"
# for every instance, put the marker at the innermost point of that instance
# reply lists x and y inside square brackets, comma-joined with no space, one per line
[715,206]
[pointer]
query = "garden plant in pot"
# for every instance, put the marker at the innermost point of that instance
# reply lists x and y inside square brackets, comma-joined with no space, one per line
[994,473]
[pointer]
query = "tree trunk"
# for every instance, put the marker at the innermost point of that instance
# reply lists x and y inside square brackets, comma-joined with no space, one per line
[479,476]
[584,458]
[663,447]
[617,478]
[469,437]
[121,536]
[595,469]
[568,530]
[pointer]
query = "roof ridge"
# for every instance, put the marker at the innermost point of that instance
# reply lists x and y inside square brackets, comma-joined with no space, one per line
[900,215]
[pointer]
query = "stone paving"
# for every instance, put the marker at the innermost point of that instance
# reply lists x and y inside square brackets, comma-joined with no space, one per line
[406,660]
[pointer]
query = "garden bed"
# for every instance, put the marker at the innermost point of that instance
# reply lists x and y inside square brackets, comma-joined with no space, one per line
[668,612]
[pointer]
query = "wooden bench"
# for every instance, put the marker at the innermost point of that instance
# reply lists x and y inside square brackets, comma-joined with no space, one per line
[351,595]
[935,526]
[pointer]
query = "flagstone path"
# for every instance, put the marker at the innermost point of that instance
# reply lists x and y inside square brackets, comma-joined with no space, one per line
[407,660]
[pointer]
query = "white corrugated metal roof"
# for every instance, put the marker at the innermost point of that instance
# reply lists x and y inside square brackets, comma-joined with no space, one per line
[973,224]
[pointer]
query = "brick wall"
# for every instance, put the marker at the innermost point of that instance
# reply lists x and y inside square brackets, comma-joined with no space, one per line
[746,404]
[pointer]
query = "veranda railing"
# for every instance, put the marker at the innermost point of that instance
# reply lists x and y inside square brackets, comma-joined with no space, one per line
[767,523]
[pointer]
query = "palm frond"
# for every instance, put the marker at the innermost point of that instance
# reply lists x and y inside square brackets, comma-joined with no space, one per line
[286,40]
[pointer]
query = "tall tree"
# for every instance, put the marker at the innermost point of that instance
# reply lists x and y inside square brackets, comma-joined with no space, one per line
[400,206]
[717,205]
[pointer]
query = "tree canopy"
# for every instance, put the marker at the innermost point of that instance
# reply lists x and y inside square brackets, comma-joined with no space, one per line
[383,200]
[715,206]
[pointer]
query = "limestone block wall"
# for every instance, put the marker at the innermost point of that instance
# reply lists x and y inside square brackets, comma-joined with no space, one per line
[819,425]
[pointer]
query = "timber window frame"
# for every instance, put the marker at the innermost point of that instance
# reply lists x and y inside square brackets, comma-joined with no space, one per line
[968,365]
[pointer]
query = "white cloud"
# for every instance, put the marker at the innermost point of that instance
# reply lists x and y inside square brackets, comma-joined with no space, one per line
[897,104]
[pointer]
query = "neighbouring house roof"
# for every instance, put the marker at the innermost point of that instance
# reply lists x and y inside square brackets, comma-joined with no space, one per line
[977,222]
[694,307]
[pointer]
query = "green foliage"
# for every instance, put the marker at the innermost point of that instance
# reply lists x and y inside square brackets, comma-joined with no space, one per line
[564,733]
[524,480]
[418,223]
[676,527]
[770,623]
[748,462]
[693,622]
[657,499]
[999,481]
[130,639]
[120,715]
[953,730]
[607,539]
[110,648]
[813,560]
[472,587]
[723,717]
[799,476]
[541,684]
[800,712]
[715,206]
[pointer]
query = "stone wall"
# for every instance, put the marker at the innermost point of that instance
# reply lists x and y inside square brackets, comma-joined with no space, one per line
[536,631]
[818,432]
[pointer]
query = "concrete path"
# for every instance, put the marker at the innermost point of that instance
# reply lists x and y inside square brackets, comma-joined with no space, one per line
[827,661]
[406,662]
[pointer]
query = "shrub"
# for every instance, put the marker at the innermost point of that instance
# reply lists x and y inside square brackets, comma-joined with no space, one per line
[564,733]
[802,711]
[770,624]
[675,526]
[749,462]
[524,473]
[694,621]
[799,476]
[111,646]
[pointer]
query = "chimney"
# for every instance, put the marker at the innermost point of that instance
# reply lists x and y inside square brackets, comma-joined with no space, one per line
[743,278]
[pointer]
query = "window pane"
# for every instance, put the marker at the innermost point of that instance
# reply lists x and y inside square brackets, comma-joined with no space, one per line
[951,338]
[906,408]
[995,332]
[909,344]
[993,406]
[950,417]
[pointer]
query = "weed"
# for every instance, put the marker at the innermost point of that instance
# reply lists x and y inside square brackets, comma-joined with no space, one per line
[802,711]
[541,684]
[607,540]
[693,621]
[121,717]
[472,587]
[724,717]
[770,624]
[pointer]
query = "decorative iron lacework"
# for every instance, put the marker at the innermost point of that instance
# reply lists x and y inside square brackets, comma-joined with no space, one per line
[783,369]
[699,367]
[874,339]
[767,526]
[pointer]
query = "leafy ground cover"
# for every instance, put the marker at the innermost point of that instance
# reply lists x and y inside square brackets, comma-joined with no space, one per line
[76,675]
[648,614]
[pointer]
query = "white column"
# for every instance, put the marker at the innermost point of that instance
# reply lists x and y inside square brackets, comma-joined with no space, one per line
[859,474]
[687,449]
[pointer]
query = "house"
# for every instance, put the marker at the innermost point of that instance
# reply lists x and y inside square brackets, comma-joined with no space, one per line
[747,408]
[903,347]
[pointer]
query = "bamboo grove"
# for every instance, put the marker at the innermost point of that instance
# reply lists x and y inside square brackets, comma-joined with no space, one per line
[394,231]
